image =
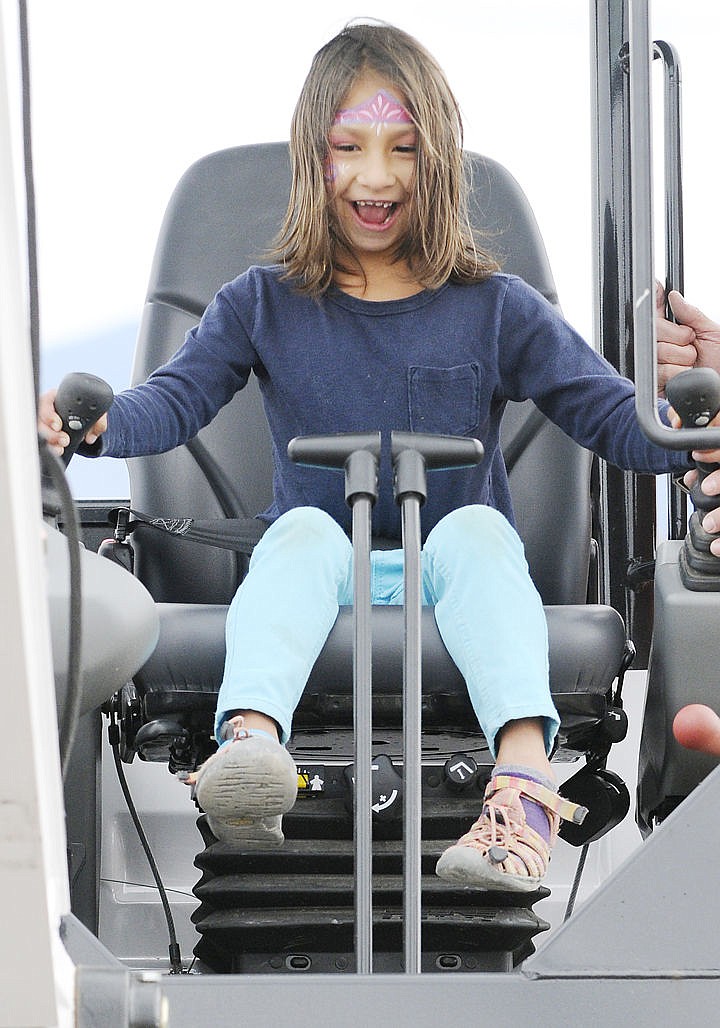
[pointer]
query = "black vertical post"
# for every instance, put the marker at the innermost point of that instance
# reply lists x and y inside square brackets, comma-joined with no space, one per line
[627,507]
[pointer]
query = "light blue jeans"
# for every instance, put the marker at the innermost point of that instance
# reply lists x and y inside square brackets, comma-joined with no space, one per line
[475,575]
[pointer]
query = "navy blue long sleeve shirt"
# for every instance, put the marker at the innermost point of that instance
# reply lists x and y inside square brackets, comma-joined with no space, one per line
[444,361]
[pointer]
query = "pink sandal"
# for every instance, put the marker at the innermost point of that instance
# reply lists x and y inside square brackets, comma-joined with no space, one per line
[501,851]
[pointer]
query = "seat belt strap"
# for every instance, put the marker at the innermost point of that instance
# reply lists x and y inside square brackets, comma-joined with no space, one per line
[239,534]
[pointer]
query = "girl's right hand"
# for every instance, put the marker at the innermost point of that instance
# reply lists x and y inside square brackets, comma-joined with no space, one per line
[50,424]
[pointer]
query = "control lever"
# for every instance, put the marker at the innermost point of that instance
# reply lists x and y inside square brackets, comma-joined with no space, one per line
[414,453]
[81,399]
[695,395]
[358,454]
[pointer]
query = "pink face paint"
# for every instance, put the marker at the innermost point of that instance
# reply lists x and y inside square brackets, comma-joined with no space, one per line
[382,109]
[332,169]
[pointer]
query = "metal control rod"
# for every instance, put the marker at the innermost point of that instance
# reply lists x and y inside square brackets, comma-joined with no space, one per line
[641,51]
[358,454]
[411,492]
[412,454]
[362,712]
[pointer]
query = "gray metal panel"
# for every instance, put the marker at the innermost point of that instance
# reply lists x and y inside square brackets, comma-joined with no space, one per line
[658,915]
[679,673]
[503,1001]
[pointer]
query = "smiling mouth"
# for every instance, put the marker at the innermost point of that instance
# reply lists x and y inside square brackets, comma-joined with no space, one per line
[374,212]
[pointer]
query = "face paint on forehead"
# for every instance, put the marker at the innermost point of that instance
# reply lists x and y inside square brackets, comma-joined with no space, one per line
[381,109]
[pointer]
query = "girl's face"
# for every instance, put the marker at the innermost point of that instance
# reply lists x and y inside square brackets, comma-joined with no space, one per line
[371,165]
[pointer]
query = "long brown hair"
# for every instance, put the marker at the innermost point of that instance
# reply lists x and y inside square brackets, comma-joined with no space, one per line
[440,244]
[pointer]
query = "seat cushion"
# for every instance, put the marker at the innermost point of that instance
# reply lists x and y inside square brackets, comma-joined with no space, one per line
[183,675]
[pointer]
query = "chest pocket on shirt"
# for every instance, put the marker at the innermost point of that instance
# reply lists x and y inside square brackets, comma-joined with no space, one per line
[444,400]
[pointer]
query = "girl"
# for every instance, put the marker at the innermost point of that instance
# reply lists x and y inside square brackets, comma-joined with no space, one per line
[382,313]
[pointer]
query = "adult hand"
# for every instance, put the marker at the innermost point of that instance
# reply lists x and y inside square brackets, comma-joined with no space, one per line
[676,349]
[706,331]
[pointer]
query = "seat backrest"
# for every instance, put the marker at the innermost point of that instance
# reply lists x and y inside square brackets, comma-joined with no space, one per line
[222,218]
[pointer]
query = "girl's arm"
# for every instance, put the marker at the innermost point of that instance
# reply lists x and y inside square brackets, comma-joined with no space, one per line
[178,399]
[545,359]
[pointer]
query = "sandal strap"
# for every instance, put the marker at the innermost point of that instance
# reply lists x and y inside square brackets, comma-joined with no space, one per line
[552,801]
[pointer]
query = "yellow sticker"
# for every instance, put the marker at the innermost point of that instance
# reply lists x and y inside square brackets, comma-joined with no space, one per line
[311,779]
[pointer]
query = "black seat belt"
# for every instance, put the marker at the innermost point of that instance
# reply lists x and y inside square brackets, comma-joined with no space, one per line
[239,534]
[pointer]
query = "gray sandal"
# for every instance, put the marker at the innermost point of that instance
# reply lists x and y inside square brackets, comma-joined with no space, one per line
[245,788]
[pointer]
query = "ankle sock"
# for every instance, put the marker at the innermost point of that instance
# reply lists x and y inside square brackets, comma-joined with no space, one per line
[250,731]
[536,817]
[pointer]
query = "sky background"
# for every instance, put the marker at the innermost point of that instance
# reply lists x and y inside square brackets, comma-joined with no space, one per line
[126,96]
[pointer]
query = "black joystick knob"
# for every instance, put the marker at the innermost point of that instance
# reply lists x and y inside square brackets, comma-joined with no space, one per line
[695,395]
[461,771]
[387,789]
[81,399]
